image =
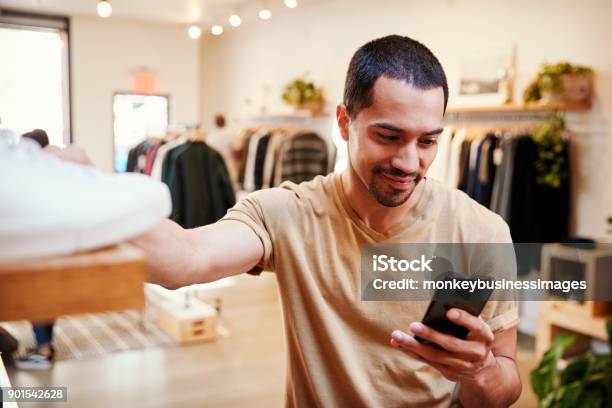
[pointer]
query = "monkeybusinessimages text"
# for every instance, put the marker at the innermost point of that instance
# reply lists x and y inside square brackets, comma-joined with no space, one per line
[385,263]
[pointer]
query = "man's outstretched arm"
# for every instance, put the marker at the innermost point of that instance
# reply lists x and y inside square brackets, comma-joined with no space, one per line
[178,257]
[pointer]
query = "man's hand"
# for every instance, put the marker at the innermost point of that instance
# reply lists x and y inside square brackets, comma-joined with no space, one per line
[460,358]
[477,362]
[72,153]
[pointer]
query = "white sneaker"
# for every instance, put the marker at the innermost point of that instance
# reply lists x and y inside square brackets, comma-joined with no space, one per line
[53,207]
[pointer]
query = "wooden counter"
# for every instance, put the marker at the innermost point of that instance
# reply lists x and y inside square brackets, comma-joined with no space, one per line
[90,282]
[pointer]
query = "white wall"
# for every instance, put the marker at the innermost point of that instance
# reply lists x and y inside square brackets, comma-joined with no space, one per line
[104,53]
[321,38]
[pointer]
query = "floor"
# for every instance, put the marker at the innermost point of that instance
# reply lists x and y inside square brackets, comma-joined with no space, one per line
[244,369]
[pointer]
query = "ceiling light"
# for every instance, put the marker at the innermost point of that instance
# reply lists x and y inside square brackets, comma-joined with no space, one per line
[104,8]
[216,30]
[265,14]
[194,32]
[235,20]
[291,3]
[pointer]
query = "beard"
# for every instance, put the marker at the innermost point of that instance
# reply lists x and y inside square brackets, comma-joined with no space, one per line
[385,194]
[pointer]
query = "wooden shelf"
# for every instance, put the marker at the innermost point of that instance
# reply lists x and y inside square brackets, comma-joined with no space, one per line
[517,108]
[90,282]
[556,317]
[289,116]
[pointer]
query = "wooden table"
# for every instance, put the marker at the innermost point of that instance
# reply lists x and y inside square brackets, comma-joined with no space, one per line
[91,282]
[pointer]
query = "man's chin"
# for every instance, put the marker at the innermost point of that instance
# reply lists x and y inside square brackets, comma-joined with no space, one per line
[390,197]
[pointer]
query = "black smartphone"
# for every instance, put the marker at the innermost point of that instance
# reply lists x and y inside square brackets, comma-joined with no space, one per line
[446,299]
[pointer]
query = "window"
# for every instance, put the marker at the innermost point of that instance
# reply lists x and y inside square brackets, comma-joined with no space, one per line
[34,75]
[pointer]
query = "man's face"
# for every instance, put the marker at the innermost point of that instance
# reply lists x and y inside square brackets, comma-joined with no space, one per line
[393,142]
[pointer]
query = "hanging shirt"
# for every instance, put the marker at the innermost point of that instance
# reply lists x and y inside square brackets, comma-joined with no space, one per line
[199,183]
[454,157]
[338,346]
[302,157]
[249,170]
[156,170]
[225,142]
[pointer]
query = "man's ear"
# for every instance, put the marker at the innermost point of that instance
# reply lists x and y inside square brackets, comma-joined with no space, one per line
[342,118]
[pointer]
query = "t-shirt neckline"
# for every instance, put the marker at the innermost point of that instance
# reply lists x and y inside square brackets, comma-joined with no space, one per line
[418,211]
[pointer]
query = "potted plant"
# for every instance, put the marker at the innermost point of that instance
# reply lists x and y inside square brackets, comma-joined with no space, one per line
[304,95]
[585,382]
[551,164]
[561,83]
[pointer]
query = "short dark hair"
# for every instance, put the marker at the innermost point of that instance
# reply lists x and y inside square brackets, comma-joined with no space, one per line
[395,57]
[39,136]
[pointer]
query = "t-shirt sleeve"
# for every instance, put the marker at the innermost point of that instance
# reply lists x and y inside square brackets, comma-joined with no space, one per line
[259,211]
[502,314]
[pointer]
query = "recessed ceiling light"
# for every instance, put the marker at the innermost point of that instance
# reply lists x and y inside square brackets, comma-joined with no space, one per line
[104,8]
[291,3]
[235,20]
[216,30]
[194,32]
[265,14]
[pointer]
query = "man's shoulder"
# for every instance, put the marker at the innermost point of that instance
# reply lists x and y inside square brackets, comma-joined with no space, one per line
[308,193]
[469,213]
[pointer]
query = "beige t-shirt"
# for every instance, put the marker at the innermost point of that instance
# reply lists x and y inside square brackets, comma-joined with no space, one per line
[338,346]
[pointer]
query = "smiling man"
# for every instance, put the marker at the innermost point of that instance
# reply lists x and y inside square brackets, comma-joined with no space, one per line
[344,352]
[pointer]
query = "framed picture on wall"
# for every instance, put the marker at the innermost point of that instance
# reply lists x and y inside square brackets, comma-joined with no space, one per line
[486,76]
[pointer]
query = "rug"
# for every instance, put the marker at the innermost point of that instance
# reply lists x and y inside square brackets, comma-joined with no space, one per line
[92,335]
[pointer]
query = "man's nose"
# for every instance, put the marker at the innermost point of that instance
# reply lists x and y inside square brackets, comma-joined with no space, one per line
[406,158]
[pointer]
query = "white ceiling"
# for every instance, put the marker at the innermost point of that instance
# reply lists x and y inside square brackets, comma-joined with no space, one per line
[175,11]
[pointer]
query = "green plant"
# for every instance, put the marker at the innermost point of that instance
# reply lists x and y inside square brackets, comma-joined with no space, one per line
[550,164]
[585,382]
[549,79]
[301,92]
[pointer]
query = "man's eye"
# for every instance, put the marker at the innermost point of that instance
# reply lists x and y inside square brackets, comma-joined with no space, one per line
[388,138]
[428,142]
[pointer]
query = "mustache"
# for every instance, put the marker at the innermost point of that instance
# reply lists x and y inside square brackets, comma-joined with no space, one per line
[392,171]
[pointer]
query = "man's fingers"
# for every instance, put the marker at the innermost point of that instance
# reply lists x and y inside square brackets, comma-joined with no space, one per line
[478,329]
[471,351]
[407,343]
[446,341]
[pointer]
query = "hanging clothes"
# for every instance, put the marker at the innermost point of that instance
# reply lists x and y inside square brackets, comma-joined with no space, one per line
[199,183]
[484,171]
[274,145]
[285,153]
[249,171]
[538,213]
[242,151]
[502,185]
[160,157]
[260,158]
[455,157]
[497,168]
[303,156]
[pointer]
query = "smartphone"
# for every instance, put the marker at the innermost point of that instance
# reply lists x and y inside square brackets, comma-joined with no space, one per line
[446,299]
